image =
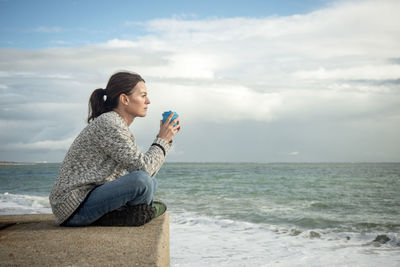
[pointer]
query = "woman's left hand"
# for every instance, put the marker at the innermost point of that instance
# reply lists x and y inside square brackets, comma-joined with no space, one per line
[167,129]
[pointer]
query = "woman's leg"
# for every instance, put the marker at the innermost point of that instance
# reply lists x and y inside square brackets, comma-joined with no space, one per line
[131,189]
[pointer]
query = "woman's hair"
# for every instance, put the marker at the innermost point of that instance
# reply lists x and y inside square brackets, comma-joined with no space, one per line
[119,83]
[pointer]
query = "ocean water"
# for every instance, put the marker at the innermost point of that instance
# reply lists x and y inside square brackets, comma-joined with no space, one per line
[248,214]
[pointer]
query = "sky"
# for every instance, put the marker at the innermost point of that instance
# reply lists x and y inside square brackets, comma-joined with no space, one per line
[252,81]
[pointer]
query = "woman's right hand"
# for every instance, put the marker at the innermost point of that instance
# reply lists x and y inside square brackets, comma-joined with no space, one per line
[167,129]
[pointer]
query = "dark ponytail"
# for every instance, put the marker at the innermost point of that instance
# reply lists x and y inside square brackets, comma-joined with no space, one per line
[105,100]
[96,104]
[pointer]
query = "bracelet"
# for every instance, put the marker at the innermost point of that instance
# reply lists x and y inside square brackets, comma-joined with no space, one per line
[160,146]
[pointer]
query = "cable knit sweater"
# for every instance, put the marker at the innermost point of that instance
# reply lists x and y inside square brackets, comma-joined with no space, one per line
[102,152]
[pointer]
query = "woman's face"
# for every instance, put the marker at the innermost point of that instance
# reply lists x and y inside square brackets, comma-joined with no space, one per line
[138,101]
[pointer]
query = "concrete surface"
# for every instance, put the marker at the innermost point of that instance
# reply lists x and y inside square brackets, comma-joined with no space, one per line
[35,240]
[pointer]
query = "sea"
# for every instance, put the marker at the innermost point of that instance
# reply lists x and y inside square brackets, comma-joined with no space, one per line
[257,214]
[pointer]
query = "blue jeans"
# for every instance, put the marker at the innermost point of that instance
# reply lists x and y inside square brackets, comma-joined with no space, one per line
[131,189]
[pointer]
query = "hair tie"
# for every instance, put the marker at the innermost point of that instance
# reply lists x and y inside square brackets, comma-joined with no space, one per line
[104,95]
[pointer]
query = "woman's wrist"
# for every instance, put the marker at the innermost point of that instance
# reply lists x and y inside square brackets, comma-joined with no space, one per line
[165,139]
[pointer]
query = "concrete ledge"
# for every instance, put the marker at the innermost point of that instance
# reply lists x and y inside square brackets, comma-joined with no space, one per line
[37,241]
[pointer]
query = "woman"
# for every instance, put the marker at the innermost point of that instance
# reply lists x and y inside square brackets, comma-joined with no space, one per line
[93,186]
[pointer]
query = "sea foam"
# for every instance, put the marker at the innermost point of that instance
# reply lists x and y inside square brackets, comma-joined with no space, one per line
[23,204]
[205,241]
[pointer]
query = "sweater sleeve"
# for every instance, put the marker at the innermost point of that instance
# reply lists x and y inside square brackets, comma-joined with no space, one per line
[118,142]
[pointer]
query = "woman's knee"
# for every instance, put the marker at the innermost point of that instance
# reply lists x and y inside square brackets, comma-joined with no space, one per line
[142,180]
[142,186]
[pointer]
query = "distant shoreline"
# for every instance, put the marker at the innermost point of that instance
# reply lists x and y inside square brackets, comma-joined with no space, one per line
[8,163]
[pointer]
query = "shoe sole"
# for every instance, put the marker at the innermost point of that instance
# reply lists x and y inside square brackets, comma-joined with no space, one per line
[157,202]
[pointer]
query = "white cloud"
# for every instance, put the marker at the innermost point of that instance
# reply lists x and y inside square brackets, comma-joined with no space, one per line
[47,29]
[217,102]
[35,75]
[42,145]
[117,43]
[59,42]
[367,72]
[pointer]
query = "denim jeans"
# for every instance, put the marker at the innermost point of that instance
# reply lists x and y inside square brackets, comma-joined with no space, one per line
[131,189]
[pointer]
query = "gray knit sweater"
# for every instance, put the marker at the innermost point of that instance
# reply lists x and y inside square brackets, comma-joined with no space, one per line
[102,152]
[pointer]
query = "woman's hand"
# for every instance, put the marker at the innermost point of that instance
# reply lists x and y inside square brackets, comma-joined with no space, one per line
[167,129]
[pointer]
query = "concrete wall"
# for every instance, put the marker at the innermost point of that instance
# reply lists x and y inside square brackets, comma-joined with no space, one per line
[35,240]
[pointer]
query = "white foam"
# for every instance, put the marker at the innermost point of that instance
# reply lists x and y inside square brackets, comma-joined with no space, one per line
[23,204]
[203,241]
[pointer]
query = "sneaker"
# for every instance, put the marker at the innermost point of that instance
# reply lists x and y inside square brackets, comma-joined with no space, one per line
[160,208]
[127,216]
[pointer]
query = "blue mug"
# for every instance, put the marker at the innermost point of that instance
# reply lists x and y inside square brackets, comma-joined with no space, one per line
[166,115]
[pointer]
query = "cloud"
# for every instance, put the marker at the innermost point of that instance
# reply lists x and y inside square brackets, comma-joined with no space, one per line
[338,65]
[42,145]
[59,42]
[371,72]
[47,29]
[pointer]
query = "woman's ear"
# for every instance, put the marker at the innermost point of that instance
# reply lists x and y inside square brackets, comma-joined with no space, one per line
[123,99]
